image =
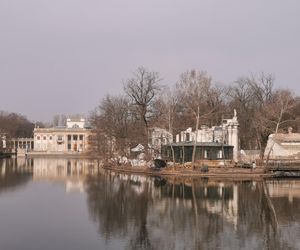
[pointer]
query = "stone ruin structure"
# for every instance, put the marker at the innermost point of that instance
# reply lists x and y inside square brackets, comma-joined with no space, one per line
[226,133]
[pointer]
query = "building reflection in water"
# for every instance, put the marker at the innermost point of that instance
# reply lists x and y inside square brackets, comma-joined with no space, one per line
[14,173]
[285,188]
[191,213]
[146,212]
[70,171]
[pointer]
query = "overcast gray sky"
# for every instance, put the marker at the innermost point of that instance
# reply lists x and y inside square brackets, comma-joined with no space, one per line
[62,56]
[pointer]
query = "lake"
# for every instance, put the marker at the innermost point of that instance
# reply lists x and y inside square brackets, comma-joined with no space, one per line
[74,204]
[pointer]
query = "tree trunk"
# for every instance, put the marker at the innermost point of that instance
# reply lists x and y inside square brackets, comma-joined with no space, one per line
[173,156]
[195,140]
[171,131]
[183,155]
[276,131]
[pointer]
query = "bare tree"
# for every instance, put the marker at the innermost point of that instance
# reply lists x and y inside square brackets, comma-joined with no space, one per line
[59,120]
[248,95]
[143,89]
[196,91]
[55,121]
[169,109]
[275,114]
[111,119]
[262,87]
[99,141]
[116,116]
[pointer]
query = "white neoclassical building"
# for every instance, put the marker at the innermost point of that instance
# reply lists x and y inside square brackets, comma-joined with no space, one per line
[72,138]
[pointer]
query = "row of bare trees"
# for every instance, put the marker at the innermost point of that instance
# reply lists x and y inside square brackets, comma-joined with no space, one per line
[263,109]
[193,101]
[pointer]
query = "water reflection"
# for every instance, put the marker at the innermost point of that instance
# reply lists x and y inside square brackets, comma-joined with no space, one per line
[70,171]
[193,214]
[140,212]
[14,174]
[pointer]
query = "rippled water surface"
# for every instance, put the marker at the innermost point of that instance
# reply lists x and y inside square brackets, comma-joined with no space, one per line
[73,204]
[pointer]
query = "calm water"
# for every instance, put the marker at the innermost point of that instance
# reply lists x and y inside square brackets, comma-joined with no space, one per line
[71,204]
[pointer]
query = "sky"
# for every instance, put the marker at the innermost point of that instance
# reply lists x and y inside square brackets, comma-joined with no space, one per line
[63,56]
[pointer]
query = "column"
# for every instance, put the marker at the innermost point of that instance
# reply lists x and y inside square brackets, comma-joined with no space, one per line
[235,142]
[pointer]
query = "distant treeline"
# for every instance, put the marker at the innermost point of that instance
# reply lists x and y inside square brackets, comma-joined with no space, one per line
[14,125]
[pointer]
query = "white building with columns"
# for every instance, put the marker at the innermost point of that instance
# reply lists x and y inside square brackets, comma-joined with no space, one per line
[72,138]
[226,133]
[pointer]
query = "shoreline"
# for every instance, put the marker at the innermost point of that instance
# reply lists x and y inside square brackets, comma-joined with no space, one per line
[216,172]
[229,173]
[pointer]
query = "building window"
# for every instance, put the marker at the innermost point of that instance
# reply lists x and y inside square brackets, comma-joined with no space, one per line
[69,137]
[80,137]
[38,137]
[44,138]
[69,146]
[187,137]
[50,137]
[220,154]
[75,137]
[75,126]
[168,153]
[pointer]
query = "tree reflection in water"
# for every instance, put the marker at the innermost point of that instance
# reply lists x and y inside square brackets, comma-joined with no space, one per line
[155,213]
[140,212]
[14,174]
[109,203]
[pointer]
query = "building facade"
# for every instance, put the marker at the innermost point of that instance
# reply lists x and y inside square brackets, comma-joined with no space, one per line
[183,151]
[72,138]
[283,146]
[158,138]
[225,134]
